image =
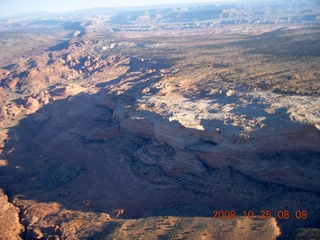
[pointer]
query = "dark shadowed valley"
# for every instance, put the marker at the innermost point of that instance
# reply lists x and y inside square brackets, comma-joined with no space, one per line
[195,121]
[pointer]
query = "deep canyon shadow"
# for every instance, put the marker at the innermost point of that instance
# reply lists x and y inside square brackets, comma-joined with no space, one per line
[52,158]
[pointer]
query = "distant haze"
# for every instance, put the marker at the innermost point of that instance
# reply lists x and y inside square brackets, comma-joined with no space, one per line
[9,7]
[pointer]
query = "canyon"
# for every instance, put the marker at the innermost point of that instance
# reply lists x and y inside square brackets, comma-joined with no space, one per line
[144,134]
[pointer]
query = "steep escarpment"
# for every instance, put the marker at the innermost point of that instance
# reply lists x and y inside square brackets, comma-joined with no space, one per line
[10,226]
[108,137]
[254,133]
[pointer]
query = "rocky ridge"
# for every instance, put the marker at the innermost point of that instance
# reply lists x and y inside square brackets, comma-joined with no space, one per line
[99,128]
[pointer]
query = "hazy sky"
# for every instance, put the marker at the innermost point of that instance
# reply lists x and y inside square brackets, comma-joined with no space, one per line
[9,7]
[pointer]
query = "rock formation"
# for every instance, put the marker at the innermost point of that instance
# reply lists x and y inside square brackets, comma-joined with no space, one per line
[137,136]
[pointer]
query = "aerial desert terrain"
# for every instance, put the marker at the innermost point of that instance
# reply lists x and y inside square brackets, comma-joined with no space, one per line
[176,122]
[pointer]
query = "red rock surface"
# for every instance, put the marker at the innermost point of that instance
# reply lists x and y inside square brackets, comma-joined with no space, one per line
[91,142]
[10,227]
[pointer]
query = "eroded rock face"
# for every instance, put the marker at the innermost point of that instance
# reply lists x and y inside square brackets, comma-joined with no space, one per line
[92,138]
[10,226]
[226,132]
[42,221]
